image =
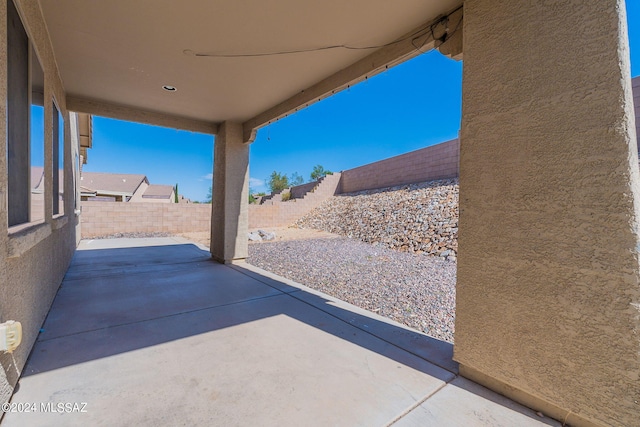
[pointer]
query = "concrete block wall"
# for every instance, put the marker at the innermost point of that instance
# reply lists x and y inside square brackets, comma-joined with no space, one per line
[300,191]
[105,218]
[282,214]
[434,162]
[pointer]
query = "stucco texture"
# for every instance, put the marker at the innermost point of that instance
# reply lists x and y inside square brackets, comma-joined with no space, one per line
[548,277]
[33,260]
[32,281]
[230,206]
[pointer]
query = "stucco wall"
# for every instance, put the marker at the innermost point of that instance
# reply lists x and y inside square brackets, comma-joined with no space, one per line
[548,277]
[434,162]
[230,195]
[33,258]
[32,280]
[105,218]
[635,83]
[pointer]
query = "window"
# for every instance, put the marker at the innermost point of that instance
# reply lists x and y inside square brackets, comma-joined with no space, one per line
[76,179]
[36,149]
[25,125]
[74,148]
[58,161]
[18,91]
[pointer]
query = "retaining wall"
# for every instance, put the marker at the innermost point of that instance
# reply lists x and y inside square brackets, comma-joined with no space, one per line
[282,214]
[300,191]
[434,162]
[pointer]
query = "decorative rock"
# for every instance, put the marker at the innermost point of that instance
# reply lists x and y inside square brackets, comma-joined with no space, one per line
[416,290]
[266,235]
[269,236]
[418,218]
[255,237]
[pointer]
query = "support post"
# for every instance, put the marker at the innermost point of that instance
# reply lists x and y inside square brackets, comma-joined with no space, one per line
[548,295]
[230,195]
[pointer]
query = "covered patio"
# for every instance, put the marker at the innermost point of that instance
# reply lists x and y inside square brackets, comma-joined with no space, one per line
[548,270]
[152,332]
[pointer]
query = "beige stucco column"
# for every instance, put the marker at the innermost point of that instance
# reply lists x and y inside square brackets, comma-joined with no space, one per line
[548,277]
[230,195]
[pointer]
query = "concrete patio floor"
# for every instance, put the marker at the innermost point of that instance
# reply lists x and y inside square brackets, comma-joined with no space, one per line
[151,332]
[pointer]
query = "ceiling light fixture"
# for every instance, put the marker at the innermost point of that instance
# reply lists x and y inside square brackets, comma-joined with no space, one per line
[169,88]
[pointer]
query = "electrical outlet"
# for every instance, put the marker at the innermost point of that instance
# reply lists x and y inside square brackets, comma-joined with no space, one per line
[10,335]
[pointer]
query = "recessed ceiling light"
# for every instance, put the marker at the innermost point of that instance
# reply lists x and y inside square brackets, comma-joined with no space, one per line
[169,88]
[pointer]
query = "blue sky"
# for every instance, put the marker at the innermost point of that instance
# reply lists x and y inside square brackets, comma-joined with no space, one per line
[411,106]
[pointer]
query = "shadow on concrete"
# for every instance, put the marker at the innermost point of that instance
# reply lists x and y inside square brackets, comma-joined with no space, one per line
[118,300]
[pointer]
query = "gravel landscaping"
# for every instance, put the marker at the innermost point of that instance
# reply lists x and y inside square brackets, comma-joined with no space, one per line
[418,218]
[416,290]
[396,255]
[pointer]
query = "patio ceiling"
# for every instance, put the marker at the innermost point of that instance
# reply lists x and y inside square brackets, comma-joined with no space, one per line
[122,52]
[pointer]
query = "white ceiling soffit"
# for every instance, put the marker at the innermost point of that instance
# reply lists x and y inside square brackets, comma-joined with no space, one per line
[123,52]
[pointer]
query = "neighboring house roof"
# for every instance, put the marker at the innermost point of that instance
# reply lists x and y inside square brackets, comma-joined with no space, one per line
[37,172]
[37,179]
[116,183]
[157,191]
[85,191]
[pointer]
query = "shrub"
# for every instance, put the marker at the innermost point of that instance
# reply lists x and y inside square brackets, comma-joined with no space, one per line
[277,182]
[318,172]
[296,179]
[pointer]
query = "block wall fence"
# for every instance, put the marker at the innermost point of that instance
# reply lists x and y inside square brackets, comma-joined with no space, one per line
[434,162]
[106,218]
[282,214]
[277,215]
